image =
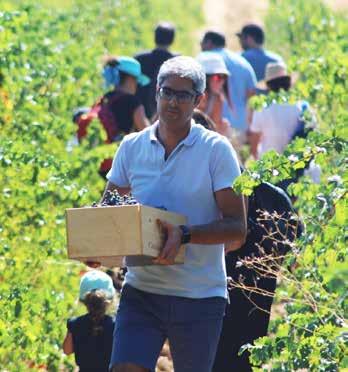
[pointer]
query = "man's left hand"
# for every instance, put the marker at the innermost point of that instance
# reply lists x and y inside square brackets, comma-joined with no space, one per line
[172,243]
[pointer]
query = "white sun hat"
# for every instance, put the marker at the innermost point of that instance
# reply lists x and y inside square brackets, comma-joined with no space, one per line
[212,63]
[275,70]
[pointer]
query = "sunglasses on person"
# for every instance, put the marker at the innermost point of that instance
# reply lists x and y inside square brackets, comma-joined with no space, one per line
[181,96]
[218,77]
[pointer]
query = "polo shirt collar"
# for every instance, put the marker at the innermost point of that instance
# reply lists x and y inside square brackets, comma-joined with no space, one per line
[189,140]
[153,129]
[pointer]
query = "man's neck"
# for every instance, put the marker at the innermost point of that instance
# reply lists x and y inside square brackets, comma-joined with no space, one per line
[162,47]
[256,46]
[170,138]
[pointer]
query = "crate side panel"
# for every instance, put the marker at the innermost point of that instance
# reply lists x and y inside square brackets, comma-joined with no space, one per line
[103,231]
[151,235]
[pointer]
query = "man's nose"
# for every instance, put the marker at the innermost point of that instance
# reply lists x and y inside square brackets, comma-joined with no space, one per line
[173,100]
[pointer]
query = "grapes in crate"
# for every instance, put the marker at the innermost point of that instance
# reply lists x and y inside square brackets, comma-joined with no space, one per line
[113,198]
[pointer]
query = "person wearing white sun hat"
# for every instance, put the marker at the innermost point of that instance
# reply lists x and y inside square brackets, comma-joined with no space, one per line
[242,80]
[276,70]
[277,125]
[217,91]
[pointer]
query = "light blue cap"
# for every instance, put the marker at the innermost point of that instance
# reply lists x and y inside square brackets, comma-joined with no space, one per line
[129,66]
[96,280]
[132,67]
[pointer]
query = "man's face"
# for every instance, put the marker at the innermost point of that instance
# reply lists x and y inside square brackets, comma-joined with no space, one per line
[244,41]
[176,100]
[207,45]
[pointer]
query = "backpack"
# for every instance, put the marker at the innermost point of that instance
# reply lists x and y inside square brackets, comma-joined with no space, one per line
[302,131]
[272,226]
[107,117]
[102,110]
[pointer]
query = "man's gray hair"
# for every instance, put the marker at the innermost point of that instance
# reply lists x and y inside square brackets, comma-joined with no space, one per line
[184,67]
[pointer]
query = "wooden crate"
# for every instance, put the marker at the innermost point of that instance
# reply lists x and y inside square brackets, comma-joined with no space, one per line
[117,236]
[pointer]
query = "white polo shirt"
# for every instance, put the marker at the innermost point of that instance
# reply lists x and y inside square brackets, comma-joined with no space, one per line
[202,163]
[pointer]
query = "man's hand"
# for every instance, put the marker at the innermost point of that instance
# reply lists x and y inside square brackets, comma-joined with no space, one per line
[172,243]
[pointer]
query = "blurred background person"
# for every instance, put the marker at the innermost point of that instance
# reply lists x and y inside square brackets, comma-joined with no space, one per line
[273,127]
[217,91]
[90,336]
[203,119]
[151,62]
[119,110]
[252,38]
[241,81]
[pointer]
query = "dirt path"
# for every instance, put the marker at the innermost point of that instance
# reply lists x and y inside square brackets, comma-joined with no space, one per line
[338,5]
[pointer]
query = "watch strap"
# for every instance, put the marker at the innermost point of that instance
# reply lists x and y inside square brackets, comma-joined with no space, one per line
[186,235]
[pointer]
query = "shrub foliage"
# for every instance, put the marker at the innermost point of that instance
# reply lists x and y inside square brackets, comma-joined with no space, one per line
[50,64]
[311,333]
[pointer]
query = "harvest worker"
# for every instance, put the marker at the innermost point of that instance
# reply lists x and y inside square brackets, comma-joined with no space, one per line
[252,38]
[151,62]
[187,169]
[241,81]
[119,110]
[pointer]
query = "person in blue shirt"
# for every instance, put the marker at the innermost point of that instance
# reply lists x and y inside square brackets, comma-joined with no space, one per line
[252,38]
[90,336]
[241,81]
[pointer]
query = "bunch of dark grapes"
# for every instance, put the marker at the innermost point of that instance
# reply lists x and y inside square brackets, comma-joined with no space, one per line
[113,198]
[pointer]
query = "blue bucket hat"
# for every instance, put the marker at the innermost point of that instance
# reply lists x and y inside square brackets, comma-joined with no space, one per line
[129,66]
[96,280]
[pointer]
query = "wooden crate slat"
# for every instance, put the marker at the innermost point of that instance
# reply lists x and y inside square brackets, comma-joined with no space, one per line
[104,231]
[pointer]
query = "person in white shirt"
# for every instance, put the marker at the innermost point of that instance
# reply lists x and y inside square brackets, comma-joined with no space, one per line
[274,127]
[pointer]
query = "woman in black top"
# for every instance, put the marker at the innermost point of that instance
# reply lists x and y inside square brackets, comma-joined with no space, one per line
[119,111]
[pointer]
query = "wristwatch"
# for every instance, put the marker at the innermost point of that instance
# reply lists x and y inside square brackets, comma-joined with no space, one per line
[186,235]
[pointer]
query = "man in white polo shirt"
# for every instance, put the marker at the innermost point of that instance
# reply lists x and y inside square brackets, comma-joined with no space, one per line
[178,165]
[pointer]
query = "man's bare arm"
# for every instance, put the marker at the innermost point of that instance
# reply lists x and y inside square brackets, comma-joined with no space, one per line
[232,227]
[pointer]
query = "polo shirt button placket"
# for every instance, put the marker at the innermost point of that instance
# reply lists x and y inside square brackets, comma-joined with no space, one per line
[161,155]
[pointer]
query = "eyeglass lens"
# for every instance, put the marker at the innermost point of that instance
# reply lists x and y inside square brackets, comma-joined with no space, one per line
[181,96]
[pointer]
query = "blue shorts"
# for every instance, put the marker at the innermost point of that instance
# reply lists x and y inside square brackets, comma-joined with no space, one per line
[145,320]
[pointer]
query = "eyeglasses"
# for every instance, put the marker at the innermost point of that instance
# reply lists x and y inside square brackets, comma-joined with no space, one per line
[181,96]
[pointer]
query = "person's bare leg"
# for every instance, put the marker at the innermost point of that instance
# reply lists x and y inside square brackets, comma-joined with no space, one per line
[128,367]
